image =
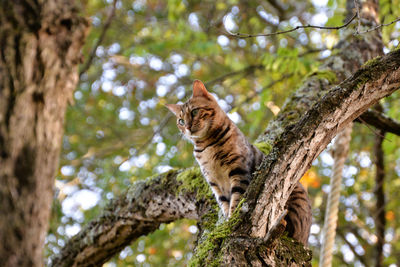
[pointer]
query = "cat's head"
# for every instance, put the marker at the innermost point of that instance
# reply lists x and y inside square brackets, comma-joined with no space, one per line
[199,115]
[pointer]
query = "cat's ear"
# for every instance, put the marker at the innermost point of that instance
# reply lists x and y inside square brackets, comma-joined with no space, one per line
[199,89]
[174,108]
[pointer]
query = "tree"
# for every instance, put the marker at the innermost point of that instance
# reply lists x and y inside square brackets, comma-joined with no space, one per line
[307,122]
[39,57]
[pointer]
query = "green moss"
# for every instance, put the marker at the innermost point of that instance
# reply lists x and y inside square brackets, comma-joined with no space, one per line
[292,249]
[192,180]
[214,239]
[371,62]
[325,74]
[263,147]
[163,177]
[209,219]
[368,71]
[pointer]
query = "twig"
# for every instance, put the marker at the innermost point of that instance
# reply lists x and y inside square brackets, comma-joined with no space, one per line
[106,25]
[378,27]
[258,92]
[372,130]
[248,69]
[245,35]
[380,121]
[357,6]
[352,248]
[157,131]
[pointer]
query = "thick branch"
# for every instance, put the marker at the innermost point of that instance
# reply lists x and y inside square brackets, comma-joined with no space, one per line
[302,142]
[147,204]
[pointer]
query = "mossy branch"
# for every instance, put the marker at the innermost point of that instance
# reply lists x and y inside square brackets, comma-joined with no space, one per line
[163,198]
[302,141]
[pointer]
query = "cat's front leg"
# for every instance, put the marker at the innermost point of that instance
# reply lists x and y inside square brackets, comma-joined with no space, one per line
[223,200]
[239,180]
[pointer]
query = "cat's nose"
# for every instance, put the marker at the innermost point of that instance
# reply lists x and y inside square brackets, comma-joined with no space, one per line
[188,126]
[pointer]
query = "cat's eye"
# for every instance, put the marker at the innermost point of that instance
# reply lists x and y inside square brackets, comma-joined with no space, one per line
[181,122]
[195,112]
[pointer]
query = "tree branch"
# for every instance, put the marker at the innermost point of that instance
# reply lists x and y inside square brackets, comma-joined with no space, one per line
[302,142]
[246,35]
[378,26]
[106,25]
[361,258]
[140,211]
[380,121]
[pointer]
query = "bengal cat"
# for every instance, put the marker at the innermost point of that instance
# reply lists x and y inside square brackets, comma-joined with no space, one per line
[227,160]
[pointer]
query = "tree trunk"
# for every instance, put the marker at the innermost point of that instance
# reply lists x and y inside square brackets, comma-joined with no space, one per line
[40,45]
[379,191]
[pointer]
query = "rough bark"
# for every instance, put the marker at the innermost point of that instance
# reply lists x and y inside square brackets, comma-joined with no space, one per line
[39,53]
[315,130]
[168,197]
[302,142]
[302,113]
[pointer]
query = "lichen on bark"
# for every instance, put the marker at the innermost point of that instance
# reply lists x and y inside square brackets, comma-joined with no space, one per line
[264,147]
[193,180]
[212,238]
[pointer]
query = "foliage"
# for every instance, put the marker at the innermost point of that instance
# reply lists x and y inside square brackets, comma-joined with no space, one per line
[118,130]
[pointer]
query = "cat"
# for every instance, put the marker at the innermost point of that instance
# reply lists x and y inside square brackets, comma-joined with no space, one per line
[227,159]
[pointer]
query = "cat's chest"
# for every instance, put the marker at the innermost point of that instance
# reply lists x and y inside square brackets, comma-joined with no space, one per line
[210,167]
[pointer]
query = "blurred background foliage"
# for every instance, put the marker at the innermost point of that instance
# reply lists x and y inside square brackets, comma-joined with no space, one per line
[118,130]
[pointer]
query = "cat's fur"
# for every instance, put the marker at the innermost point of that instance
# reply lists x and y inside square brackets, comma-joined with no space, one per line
[227,160]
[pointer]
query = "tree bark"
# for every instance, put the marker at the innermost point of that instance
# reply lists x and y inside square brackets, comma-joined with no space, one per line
[147,204]
[40,45]
[301,109]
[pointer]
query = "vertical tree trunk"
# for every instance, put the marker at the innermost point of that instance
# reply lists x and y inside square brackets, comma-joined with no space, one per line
[379,217]
[39,53]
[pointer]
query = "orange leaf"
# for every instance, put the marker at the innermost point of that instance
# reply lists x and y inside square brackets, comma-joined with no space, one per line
[310,178]
[390,215]
[152,251]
